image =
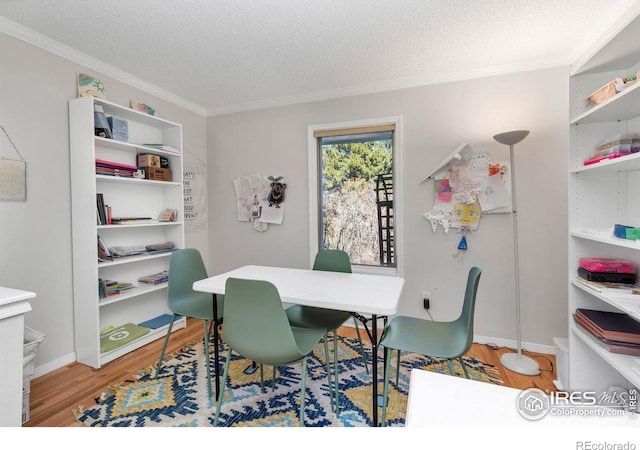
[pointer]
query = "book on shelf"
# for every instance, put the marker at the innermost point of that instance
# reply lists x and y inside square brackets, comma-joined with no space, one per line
[162,247]
[103,252]
[157,322]
[155,278]
[622,348]
[102,210]
[127,250]
[108,288]
[114,337]
[131,220]
[614,326]
[613,289]
[104,167]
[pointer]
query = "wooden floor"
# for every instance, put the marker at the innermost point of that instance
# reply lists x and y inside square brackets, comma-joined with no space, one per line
[56,394]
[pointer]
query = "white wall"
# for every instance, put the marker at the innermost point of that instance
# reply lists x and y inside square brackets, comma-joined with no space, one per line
[435,120]
[35,236]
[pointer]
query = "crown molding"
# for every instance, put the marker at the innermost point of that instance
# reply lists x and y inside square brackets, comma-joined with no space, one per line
[31,37]
[391,85]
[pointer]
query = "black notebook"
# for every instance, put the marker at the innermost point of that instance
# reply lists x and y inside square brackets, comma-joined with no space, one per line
[612,325]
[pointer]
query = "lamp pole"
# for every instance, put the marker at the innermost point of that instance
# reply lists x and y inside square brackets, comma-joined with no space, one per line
[516,362]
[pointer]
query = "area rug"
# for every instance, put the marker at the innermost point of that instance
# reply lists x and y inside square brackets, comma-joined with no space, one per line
[177,397]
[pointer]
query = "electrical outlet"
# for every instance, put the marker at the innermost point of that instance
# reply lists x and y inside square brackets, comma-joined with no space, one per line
[426,299]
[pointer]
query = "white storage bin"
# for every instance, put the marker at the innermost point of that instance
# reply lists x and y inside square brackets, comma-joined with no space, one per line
[562,364]
[32,341]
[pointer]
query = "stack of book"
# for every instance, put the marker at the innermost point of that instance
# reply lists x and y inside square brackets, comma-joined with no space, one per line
[103,210]
[103,252]
[617,332]
[115,169]
[155,278]
[108,288]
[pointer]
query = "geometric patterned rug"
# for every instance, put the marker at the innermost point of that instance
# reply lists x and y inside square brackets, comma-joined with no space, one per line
[178,396]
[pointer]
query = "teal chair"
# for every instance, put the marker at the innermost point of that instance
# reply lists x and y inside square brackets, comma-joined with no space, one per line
[430,338]
[185,267]
[328,260]
[256,327]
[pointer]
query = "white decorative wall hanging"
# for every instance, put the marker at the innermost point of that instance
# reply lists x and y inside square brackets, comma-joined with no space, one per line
[260,200]
[467,184]
[13,172]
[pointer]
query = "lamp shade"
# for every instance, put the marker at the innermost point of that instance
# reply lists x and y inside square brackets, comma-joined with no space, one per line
[511,137]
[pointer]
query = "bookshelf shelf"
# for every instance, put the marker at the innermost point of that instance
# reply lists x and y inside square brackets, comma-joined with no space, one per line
[622,363]
[601,195]
[138,290]
[127,197]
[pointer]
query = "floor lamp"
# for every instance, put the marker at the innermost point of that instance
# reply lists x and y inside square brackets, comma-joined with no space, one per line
[516,362]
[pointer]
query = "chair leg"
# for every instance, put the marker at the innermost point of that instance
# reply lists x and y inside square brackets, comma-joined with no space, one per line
[398,369]
[464,367]
[261,378]
[450,367]
[364,355]
[328,368]
[222,385]
[164,347]
[336,386]
[208,358]
[385,392]
[303,390]
[273,379]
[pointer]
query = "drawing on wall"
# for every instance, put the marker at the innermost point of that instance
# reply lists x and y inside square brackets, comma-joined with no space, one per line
[259,200]
[194,192]
[467,185]
[13,172]
[88,85]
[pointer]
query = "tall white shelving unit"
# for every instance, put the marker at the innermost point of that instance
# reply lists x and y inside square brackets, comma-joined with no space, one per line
[601,195]
[128,197]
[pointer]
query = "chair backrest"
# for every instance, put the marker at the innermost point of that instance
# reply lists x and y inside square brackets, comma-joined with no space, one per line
[255,323]
[464,323]
[185,267]
[330,260]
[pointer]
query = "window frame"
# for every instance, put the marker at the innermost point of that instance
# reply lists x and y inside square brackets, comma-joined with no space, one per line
[314,189]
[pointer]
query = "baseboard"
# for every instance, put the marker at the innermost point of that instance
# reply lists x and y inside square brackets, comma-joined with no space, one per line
[528,346]
[53,365]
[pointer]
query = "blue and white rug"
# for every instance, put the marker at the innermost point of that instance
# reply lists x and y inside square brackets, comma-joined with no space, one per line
[178,396]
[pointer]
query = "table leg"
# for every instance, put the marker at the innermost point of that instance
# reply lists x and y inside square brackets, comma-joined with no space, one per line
[216,339]
[374,371]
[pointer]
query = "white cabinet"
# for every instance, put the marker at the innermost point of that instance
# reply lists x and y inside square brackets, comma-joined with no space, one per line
[14,304]
[601,195]
[127,197]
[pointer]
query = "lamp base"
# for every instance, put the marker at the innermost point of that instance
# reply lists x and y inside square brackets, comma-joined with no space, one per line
[520,364]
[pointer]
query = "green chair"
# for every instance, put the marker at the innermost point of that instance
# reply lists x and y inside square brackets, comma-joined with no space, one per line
[310,317]
[185,267]
[430,338]
[257,328]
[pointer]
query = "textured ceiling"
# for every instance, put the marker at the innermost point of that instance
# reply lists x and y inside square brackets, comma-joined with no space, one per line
[226,55]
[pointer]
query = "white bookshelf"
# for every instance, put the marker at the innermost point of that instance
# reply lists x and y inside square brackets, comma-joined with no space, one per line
[127,197]
[600,196]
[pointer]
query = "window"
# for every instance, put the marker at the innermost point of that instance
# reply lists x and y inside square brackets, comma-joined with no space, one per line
[353,169]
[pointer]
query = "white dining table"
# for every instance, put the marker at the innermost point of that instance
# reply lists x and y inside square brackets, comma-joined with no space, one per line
[374,295]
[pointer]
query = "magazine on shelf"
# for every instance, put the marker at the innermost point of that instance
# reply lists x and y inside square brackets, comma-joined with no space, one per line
[131,250]
[155,278]
[624,290]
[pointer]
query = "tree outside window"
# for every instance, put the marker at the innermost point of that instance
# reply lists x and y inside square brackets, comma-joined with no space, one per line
[353,171]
